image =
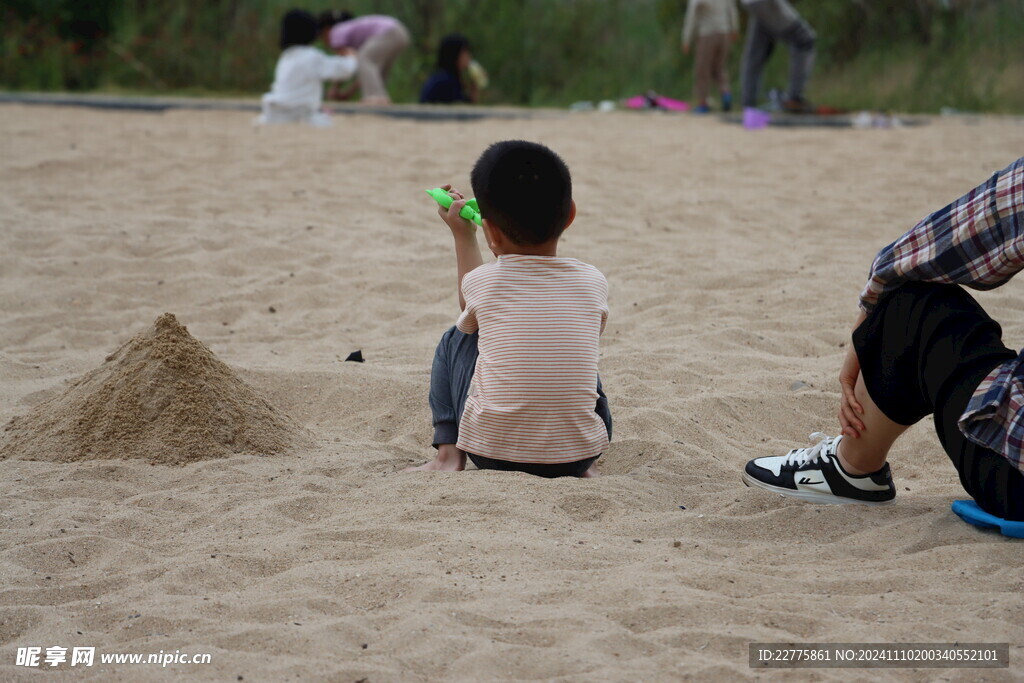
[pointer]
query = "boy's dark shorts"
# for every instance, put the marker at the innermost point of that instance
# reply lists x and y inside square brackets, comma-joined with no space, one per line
[548,470]
[923,350]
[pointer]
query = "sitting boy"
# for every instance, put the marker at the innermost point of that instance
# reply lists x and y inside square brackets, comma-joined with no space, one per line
[514,384]
[922,345]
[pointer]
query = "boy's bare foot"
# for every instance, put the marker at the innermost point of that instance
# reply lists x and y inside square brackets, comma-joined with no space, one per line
[448,459]
[591,472]
[437,465]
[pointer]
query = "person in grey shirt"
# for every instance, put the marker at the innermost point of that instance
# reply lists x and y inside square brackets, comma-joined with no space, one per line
[773,21]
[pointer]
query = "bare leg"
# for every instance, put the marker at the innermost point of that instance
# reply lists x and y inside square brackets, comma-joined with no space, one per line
[867,453]
[591,472]
[703,65]
[448,459]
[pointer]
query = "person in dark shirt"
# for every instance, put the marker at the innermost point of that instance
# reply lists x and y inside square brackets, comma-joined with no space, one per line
[922,345]
[445,85]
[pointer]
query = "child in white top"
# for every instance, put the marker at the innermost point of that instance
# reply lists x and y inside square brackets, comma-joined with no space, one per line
[297,92]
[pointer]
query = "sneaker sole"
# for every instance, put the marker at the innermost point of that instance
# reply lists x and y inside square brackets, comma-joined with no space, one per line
[812,496]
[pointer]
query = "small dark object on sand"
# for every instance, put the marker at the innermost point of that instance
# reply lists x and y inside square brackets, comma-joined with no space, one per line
[356,357]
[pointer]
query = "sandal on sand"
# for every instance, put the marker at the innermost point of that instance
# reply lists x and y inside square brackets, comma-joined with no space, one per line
[969,511]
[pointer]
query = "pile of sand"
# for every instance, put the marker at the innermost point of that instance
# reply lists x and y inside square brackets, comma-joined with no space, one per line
[163,396]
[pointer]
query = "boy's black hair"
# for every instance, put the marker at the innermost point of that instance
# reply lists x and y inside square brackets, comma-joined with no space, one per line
[448,53]
[298,27]
[524,189]
[334,16]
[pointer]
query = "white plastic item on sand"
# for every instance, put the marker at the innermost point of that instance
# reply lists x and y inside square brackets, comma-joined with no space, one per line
[862,119]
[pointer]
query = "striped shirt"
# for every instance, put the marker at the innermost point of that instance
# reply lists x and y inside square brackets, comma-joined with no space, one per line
[977,241]
[534,389]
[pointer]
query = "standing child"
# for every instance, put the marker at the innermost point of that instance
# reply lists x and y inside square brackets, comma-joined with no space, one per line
[514,384]
[716,25]
[297,92]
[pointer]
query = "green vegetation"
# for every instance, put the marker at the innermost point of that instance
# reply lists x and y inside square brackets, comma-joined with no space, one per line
[907,55]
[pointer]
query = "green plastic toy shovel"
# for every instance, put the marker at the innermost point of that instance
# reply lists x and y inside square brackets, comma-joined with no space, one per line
[471,212]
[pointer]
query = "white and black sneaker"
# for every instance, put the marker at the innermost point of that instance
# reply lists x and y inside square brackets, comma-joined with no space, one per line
[814,474]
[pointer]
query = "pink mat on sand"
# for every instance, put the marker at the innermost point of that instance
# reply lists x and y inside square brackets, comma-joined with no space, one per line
[655,101]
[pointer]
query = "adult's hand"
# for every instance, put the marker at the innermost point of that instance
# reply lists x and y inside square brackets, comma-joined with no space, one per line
[850,408]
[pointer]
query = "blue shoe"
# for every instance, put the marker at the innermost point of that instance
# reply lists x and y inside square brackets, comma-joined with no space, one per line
[701,109]
[727,101]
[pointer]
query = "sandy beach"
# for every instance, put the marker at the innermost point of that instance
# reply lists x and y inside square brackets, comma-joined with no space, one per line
[734,260]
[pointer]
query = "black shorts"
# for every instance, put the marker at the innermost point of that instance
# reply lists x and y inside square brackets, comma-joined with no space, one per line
[923,350]
[548,470]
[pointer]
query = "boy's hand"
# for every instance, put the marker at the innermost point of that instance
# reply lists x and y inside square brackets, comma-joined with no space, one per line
[460,227]
[467,251]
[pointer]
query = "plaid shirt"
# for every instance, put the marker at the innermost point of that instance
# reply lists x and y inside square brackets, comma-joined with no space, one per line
[977,241]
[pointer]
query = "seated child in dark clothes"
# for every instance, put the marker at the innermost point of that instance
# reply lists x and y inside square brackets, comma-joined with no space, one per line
[445,85]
